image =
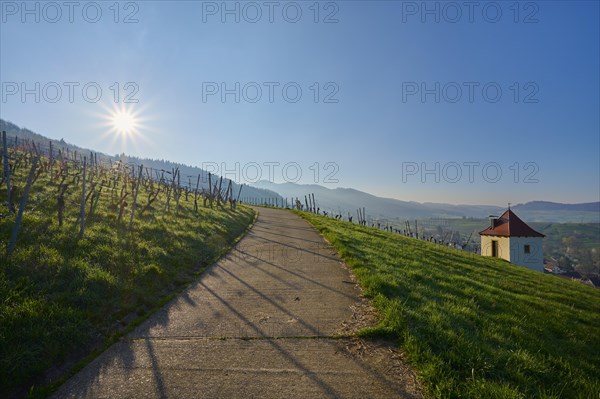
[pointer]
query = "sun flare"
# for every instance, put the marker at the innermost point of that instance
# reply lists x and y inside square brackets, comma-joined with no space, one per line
[124,126]
[124,122]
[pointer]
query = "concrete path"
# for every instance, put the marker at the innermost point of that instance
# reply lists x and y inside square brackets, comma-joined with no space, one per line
[258,324]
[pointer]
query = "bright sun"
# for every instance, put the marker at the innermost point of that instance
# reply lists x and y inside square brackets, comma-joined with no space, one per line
[124,122]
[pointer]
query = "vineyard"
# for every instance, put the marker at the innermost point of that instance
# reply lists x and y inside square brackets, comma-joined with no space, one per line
[89,246]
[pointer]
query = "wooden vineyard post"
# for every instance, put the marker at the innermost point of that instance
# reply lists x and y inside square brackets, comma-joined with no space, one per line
[169,190]
[13,239]
[178,191]
[231,199]
[82,209]
[216,191]
[6,168]
[135,193]
[196,194]
[239,193]
[91,167]
[219,191]
[188,189]
[210,188]
[227,192]
[51,160]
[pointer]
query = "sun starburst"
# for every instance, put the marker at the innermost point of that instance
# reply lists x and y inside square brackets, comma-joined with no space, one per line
[124,122]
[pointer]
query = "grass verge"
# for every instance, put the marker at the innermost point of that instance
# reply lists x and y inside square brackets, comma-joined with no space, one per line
[475,327]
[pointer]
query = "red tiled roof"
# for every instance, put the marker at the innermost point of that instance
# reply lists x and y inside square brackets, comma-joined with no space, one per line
[509,225]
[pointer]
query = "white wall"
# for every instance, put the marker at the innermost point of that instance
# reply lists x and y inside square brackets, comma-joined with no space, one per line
[512,249]
[534,260]
[503,246]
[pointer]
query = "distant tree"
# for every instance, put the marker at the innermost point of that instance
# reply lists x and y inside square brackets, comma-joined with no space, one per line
[572,244]
[596,260]
[589,262]
[456,237]
[566,263]
[439,231]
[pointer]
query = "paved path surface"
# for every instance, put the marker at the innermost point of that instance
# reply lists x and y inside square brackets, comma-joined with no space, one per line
[258,324]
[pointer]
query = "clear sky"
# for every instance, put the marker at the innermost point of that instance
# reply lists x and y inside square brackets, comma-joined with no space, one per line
[457,102]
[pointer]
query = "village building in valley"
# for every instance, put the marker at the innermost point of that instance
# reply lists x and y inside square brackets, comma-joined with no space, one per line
[509,238]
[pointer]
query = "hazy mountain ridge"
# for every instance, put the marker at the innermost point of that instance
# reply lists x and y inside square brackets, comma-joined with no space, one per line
[347,200]
[556,206]
[188,173]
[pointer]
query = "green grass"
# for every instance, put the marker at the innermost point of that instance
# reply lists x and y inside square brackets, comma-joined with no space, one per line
[60,294]
[475,327]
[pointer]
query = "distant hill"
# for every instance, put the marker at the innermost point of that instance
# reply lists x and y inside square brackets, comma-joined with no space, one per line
[188,173]
[555,206]
[347,200]
[544,211]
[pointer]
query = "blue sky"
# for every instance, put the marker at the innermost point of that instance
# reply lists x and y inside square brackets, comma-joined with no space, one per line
[378,134]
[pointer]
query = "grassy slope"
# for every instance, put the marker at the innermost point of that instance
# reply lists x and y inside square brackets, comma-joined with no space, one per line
[59,293]
[475,327]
